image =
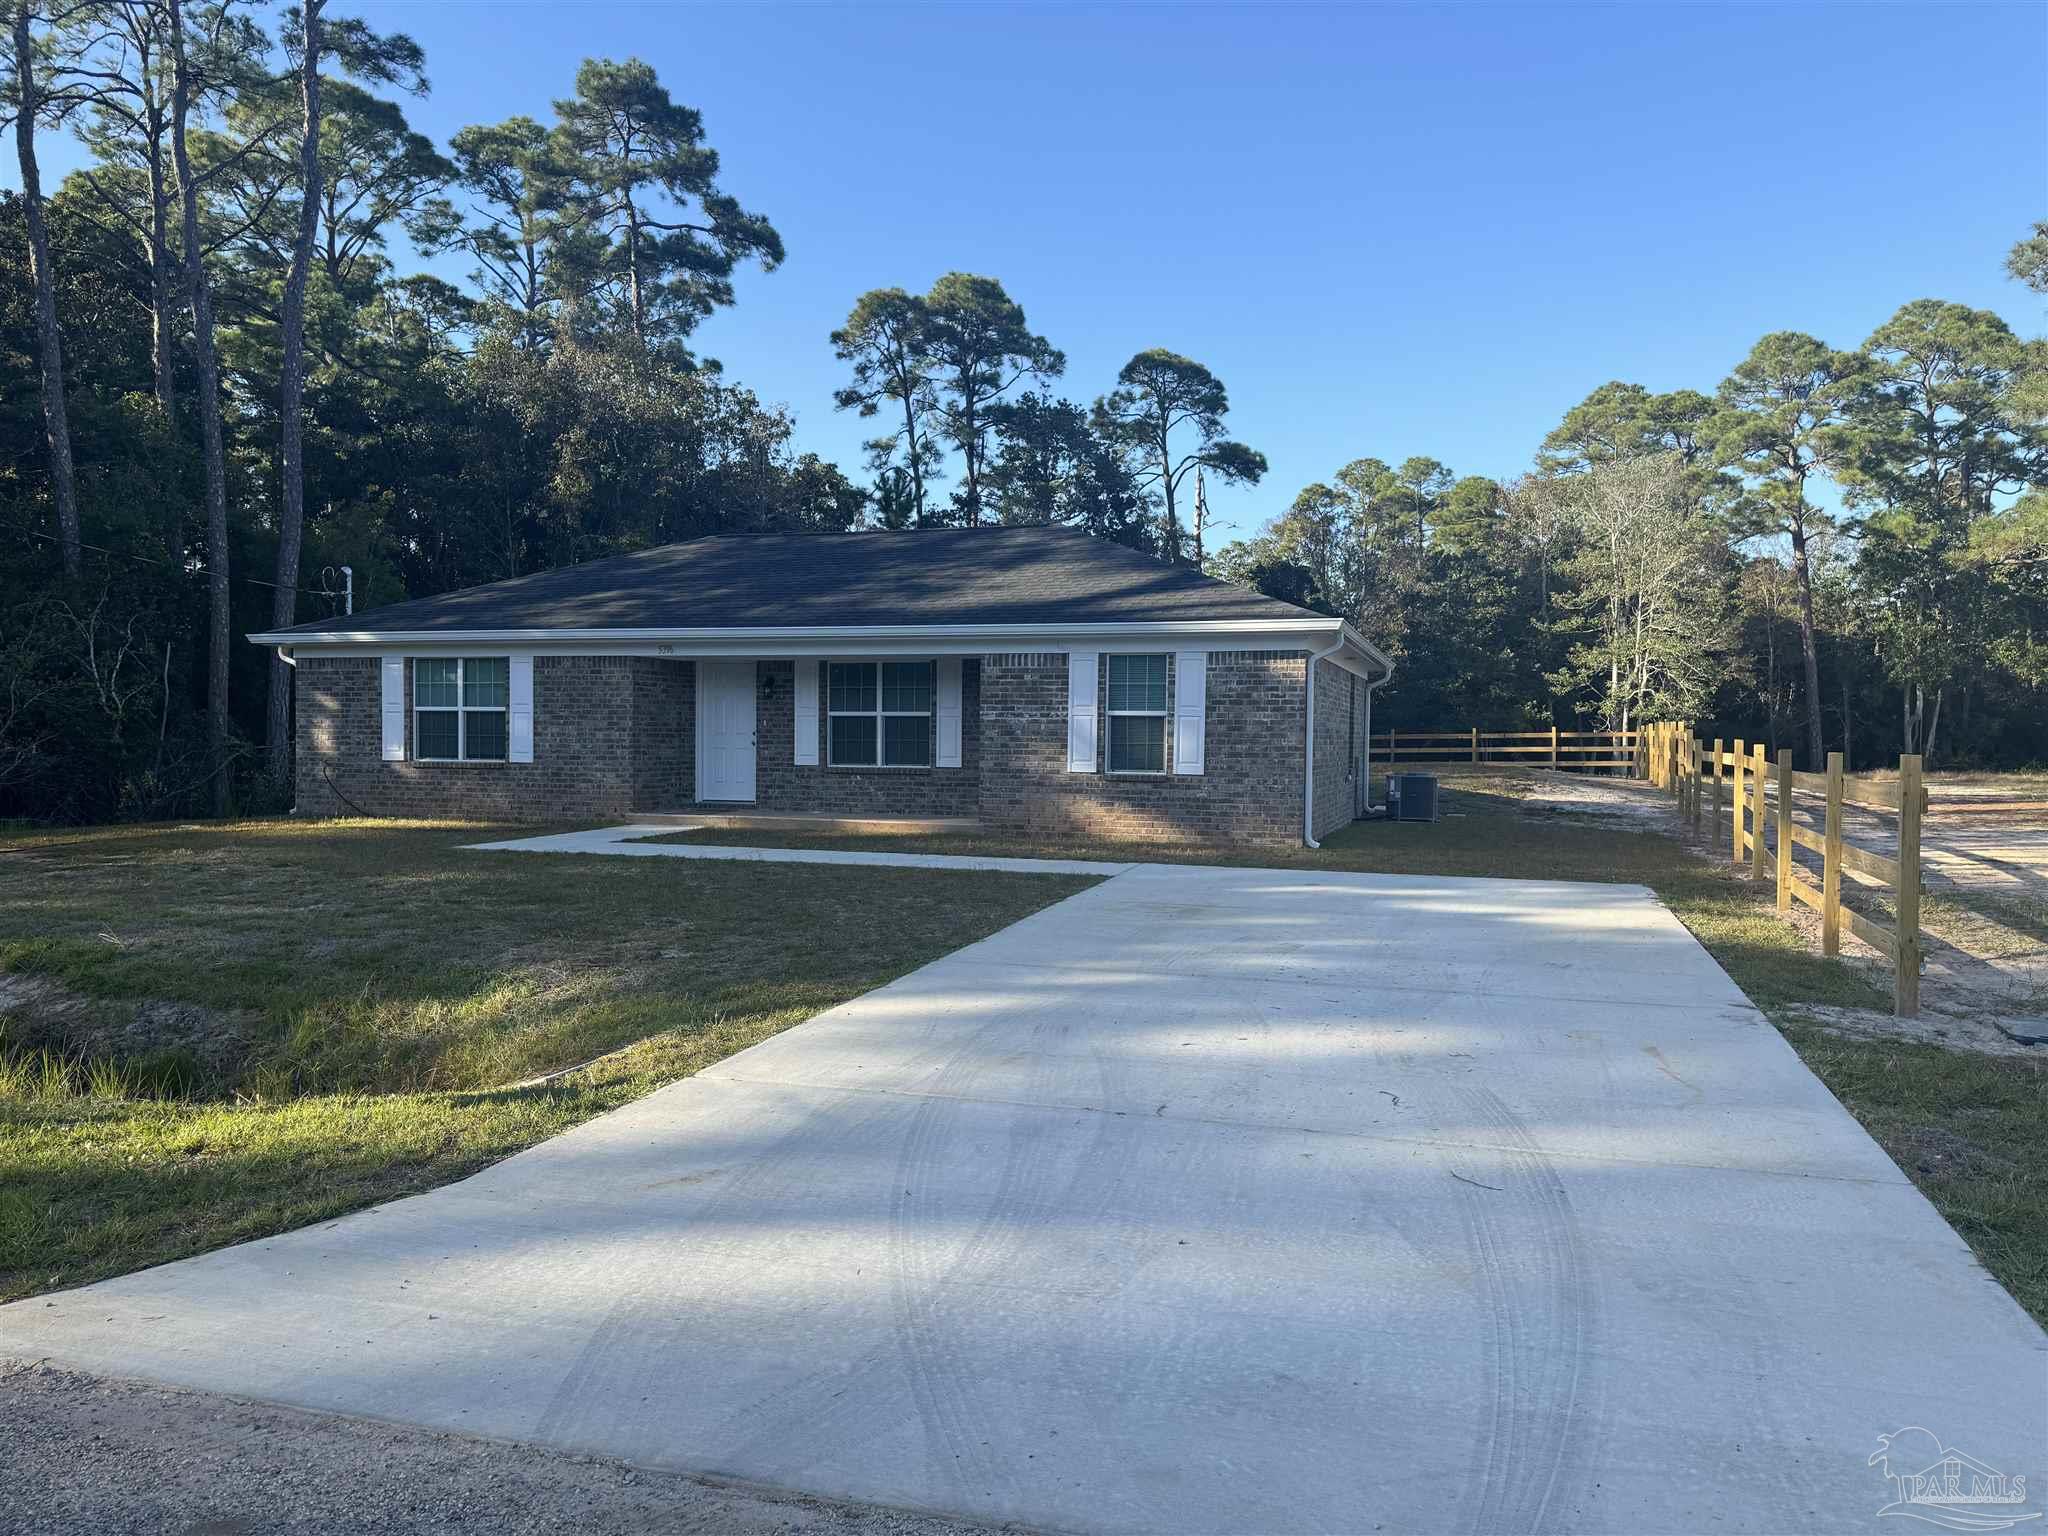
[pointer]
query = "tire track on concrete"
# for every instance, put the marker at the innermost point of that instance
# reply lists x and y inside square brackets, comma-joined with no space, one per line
[1541,1298]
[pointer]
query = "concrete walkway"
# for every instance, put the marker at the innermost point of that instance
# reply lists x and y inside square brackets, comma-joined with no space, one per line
[621,840]
[1207,1200]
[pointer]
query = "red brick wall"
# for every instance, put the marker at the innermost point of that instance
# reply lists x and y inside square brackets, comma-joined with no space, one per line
[1250,791]
[600,741]
[1339,711]
[615,735]
[780,785]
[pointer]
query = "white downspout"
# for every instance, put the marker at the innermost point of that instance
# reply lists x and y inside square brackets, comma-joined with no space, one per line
[284,654]
[1308,747]
[1367,769]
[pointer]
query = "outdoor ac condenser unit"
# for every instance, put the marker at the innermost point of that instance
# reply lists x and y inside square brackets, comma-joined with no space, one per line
[1413,797]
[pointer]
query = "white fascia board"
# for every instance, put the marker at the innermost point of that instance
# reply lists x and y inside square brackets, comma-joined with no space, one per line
[1308,633]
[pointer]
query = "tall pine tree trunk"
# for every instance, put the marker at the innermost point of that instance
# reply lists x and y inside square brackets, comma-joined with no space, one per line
[1170,529]
[163,283]
[291,523]
[1809,653]
[916,460]
[49,340]
[208,391]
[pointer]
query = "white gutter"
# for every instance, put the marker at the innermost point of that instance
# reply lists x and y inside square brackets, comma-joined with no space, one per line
[1308,748]
[1307,624]
[284,654]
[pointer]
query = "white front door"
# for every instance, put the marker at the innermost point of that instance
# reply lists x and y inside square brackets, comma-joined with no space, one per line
[725,730]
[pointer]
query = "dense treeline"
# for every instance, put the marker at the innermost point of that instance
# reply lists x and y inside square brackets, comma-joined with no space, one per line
[1835,550]
[223,378]
[219,384]
[255,393]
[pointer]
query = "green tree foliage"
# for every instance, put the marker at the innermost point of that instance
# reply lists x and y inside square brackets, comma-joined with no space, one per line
[887,340]
[1942,445]
[1166,413]
[1832,543]
[1784,421]
[979,347]
[449,437]
[2028,260]
[1052,467]
[507,172]
[657,240]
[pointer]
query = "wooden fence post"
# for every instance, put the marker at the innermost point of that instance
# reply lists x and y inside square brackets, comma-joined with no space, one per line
[1736,799]
[1553,749]
[1393,749]
[1784,829]
[1906,947]
[1475,743]
[1716,776]
[1831,863]
[1757,839]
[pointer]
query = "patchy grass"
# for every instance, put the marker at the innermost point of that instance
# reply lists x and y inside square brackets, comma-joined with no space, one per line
[383,986]
[1970,1130]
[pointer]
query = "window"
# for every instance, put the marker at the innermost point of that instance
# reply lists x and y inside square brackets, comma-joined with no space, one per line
[880,707]
[461,708]
[1137,714]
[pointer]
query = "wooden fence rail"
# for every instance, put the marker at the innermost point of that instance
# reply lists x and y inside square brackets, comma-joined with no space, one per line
[1567,751]
[1705,778]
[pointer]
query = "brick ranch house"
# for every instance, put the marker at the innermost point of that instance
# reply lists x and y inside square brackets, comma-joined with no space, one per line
[1034,680]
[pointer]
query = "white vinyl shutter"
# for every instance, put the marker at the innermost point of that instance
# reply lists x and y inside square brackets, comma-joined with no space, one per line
[1083,670]
[949,712]
[805,724]
[520,749]
[1190,710]
[393,668]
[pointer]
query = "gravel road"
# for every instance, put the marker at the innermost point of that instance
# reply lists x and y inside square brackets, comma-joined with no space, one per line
[85,1454]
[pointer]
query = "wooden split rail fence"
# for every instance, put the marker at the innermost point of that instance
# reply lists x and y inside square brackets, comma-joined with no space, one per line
[1569,751]
[1713,780]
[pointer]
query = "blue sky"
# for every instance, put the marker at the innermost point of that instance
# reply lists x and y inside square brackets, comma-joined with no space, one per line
[1391,230]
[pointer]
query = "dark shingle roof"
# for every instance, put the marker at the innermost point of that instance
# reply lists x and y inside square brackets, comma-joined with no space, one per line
[937,576]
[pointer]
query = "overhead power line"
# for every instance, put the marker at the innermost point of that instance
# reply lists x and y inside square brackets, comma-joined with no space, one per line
[197,570]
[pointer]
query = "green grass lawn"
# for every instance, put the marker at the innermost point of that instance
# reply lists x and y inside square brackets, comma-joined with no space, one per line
[389,991]
[1970,1130]
[386,990]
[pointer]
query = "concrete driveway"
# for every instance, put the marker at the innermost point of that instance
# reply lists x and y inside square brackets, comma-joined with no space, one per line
[1207,1200]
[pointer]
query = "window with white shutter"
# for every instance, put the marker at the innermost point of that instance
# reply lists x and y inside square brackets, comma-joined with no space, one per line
[522,709]
[393,670]
[1190,710]
[949,712]
[1083,670]
[806,723]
